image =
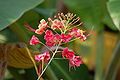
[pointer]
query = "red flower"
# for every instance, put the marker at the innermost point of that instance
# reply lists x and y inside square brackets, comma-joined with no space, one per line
[40,30]
[56,24]
[77,33]
[67,54]
[42,26]
[83,37]
[75,61]
[50,43]
[66,37]
[45,56]
[34,40]
[56,38]
[51,39]
[48,35]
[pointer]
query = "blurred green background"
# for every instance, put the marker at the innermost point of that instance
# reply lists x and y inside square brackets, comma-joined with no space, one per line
[101,51]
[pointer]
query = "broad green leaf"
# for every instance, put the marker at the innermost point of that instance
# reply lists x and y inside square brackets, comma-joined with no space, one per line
[114,9]
[7,36]
[11,10]
[17,31]
[46,12]
[47,8]
[60,68]
[93,12]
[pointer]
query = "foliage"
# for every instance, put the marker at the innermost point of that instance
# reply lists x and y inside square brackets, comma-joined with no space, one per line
[96,15]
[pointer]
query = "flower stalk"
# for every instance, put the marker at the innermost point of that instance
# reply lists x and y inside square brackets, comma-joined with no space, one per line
[67,26]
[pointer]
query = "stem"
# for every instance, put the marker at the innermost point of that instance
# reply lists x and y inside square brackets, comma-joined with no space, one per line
[48,62]
[71,40]
[42,64]
[59,58]
[99,56]
[32,60]
[47,47]
[114,64]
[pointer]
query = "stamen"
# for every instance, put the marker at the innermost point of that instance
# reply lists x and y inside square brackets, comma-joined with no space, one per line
[73,16]
[49,19]
[79,24]
[59,16]
[74,20]
[77,19]
[63,16]
[29,27]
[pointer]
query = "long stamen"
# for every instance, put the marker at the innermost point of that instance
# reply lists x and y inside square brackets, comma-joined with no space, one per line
[29,27]
[63,16]
[77,19]
[79,24]
[73,21]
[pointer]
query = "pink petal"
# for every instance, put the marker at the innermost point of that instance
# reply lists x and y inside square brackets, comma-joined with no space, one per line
[34,40]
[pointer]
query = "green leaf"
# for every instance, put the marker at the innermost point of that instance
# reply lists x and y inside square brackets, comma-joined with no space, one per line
[12,10]
[114,9]
[93,13]
[60,67]
[5,36]
[18,30]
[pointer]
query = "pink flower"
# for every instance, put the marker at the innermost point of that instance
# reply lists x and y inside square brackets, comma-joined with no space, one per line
[56,38]
[51,39]
[48,35]
[67,54]
[39,57]
[45,56]
[77,33]
[40,30]
[34,40]
[75,61]
[66,37]
[83,37]
[56,24]
[50,43]
[42,27]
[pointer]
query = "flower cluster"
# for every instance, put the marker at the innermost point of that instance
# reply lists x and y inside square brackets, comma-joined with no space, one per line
[45,56]
[73,60]
[61,29]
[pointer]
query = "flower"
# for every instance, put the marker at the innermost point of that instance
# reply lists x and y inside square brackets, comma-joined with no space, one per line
[40,30]
[66,37]
[77,33]
[75,61]
[83,37]
[45,56]
[57,24]
[48,35]
[56,38]
[67,54]
[34,40]
[39,57]
[51,39]
[42,26]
